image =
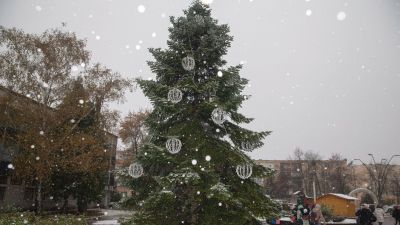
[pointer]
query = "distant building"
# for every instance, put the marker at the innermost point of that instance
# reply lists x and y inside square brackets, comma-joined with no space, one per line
[16,192]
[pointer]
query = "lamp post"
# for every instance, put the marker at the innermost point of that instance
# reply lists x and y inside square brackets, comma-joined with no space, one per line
[378,173]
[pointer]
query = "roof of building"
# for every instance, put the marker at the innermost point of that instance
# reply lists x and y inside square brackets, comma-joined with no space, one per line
[343,196]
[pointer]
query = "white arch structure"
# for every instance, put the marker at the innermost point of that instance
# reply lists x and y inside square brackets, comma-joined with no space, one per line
[354,193]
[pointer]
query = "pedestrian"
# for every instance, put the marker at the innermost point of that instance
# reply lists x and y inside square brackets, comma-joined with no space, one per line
[299,215]
[306,215]
[379,214]
[372,208]
[364,215]
[316,216]
[396,214]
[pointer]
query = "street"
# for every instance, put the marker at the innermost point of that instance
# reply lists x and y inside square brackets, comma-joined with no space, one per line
[389,220]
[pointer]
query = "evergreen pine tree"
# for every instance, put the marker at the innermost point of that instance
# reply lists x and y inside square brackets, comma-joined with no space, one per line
[199,184]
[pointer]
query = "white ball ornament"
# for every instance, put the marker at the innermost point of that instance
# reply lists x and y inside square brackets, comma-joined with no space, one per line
[173,145]
[175,95]
[218,116]
[199,19]
[135,170]
[188,63]
[247,146]
[244,171]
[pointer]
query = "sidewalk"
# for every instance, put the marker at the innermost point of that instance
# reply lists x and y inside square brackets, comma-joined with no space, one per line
[110,216]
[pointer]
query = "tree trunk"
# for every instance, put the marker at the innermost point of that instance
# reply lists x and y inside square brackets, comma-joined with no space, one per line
[39,199]
[65,205]
[82,205]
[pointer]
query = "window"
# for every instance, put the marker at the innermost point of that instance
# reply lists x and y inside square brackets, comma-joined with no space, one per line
[2,193]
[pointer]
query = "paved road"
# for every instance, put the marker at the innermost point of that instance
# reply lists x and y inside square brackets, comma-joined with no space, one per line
[388,221]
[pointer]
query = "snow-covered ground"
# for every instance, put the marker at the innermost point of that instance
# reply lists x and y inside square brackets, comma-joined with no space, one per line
[106,222]
[345,221]
[110,216]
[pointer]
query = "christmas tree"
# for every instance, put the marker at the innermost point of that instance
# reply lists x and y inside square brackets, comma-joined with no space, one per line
[193,169]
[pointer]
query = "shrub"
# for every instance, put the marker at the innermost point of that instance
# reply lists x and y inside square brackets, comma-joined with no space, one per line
[30,218]
[327,212]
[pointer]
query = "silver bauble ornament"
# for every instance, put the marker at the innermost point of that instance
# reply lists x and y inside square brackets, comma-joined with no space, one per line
[188,63]
[247,146]
[199,19]
[175,95]
[218,116]
[244,171]
[173,145]
[135,170]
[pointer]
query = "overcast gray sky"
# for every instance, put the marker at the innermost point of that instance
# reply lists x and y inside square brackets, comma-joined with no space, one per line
[324,75]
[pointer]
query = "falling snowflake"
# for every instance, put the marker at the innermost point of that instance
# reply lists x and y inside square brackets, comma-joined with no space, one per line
[308,12]
[141,8]
[194,162]
[38,8]
[341,16]
[208,158]
[81,101]
[153,34]
[219,74]
[97,37]
[137,47]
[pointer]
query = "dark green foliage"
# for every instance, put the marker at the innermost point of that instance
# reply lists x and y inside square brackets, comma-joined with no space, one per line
[173,190]
[327,212]
[29,218]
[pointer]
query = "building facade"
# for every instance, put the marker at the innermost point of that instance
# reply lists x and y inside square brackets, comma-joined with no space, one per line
[15,192]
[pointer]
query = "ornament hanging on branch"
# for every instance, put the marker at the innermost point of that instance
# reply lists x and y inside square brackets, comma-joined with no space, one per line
[247,146]
[175,95]
[218,116]
[244,171]
[173,145]
[199,19]
[188,63]
[135,170]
